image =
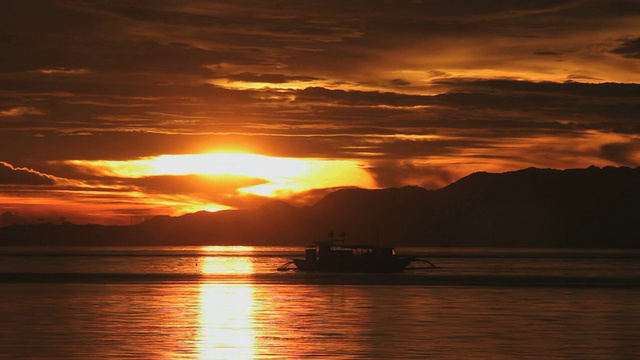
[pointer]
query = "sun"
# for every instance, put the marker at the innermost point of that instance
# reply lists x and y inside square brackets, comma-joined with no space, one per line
[238,164]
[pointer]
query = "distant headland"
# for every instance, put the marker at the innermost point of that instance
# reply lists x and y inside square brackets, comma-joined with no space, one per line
[576,208]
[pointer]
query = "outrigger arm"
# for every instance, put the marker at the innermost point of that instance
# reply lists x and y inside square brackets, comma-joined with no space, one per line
[411,266]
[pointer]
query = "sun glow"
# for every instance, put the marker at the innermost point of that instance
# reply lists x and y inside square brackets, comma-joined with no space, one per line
[280,175]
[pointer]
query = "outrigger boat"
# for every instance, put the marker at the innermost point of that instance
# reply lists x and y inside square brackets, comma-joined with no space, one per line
[334,256]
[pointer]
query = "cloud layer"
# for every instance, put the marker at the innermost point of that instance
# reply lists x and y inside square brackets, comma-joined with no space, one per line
[416,92]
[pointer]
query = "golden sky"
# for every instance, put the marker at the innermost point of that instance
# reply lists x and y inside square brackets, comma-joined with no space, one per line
[114,111]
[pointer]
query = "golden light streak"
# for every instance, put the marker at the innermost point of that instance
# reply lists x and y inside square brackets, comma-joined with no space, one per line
[227,249]
[226,322]
[244,85]
[282,175]
[183,204]
[19,111]
[220,261]
[63,71]
[294,85]
[227,329]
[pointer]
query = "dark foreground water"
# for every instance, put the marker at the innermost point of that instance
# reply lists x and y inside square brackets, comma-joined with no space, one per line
[230,303]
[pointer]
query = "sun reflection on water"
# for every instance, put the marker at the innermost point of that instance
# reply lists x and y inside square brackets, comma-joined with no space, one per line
[227,324]
[226,260]
[226,249]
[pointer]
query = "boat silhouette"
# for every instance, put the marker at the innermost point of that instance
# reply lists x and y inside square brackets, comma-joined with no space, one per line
[334,255]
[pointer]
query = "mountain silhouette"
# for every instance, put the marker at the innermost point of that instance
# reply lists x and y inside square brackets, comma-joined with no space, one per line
[593,207]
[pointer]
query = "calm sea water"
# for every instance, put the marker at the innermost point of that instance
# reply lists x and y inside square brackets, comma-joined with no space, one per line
[231,303]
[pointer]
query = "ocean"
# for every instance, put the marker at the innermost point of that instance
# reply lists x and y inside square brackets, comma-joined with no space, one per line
[230,303]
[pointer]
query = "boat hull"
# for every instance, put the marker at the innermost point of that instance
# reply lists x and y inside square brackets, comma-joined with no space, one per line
[372,265]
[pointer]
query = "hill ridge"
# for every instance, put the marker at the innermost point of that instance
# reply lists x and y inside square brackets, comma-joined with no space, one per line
[592,207]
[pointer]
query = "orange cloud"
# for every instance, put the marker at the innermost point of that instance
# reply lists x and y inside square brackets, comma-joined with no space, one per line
[63,71]
[20,111]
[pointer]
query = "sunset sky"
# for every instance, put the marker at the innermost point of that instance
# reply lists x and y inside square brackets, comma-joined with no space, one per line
[114,111]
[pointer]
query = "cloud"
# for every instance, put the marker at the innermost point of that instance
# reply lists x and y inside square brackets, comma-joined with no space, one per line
[20,111]
[417,92]
[63,71]
[622,153]
[629,48]
[399,82]
[269,78]
[493,100]
[547,53]
[221,190]
[354,97]
[567,88]
[22,176]
[405,172]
